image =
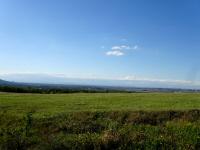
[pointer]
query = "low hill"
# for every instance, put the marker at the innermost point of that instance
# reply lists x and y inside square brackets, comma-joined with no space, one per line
[3,82]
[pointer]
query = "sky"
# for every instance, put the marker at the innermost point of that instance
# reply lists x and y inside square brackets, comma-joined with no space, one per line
[126,40]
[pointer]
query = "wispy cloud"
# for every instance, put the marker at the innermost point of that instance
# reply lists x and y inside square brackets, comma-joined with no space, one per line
[125,47]
[134,78]
[114,53]
[120,50]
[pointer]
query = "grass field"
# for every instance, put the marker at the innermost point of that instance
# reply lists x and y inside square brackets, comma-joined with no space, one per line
[100,121]
[57,103]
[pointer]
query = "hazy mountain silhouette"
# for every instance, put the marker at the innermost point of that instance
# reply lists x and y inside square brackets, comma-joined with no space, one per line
[3,82]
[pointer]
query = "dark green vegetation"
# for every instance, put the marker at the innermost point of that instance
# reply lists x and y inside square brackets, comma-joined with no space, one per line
[54,90]
[16,87]
[100,121]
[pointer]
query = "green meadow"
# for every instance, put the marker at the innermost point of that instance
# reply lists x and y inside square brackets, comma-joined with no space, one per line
[58,103]
[100,121]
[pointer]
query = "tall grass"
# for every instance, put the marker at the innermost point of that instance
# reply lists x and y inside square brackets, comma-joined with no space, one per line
[102,130]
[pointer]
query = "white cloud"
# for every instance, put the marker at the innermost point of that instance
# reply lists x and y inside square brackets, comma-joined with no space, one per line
[116,48]
[124,47]
[121,47]
[114,53]
[120,50]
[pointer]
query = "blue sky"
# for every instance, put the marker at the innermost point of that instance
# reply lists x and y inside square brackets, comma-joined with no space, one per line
[102,39]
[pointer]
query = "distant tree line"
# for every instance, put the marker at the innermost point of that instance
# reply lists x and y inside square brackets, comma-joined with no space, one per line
[29,89]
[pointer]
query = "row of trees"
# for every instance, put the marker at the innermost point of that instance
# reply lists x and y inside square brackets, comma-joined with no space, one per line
[29,89]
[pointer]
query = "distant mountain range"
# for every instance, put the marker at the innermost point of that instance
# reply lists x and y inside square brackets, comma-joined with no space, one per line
[92,81]
[97,88]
